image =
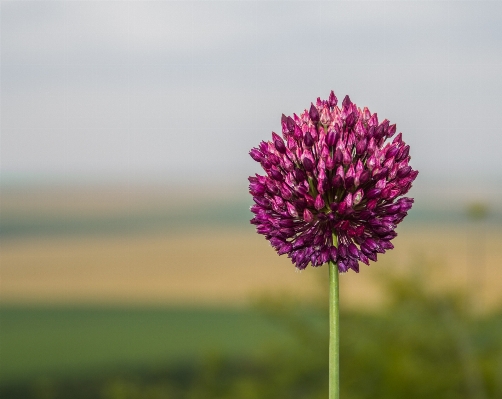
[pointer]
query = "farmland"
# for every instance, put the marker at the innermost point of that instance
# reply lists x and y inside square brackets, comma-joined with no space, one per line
[91,286]
[228,266]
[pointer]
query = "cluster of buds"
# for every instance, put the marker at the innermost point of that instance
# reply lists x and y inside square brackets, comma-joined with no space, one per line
[331,188]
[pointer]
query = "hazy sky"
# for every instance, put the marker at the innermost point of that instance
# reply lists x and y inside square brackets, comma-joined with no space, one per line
[183,90]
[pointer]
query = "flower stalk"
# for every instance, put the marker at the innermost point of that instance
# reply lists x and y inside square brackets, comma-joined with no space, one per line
[334,330]
[334,333]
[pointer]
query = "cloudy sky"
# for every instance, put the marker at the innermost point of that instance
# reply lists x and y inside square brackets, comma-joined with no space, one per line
[182,90]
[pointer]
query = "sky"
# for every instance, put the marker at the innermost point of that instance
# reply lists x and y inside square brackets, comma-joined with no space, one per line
[180,91]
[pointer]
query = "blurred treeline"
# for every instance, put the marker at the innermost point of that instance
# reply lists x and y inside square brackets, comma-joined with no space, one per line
[422,345]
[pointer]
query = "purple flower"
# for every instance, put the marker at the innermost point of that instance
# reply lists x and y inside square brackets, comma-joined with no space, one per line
[331,188]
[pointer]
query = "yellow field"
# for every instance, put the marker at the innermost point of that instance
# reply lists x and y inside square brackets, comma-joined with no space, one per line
[232,266]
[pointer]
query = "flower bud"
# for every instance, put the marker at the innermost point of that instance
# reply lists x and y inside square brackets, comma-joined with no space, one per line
[347,159]
[365,176]
[324,256]
[389,163]
[290,123]
[340,172]
[359,166]
[279,146]
[342,207]
[380,173]
[405,204]
[309,200]
[386,192]
[371,244]
[397,191]
[351,119]
[291,210]
[331,138]
[324,152]
[373,193]
[325,117]
[359,128]
[386,244]
[276,175]
[262,201]
[314,114]
[274,159]
[265,163]
[371,163]
[363,258]
[342,251]
[403,172]
[297,133]
[392,151]
[338,158]
[286,192]
[361,146]
[308,164]
[288,165]
[350,172]
[319,202]
[279,201]
[257,189]
[379,133]
[391,131]
[256,154]
[366,114]
[348,200]
[308,140]
[373,121]
[349,182]
[322,185]
[353,251]
[403,153]
[385,125]
[337,181]
[300,175]
[398,139]
[285,248]
[330,163]
[358,196]
[342,267]
[381,184]
[332,100]
[346,103]
[307,216]
[359,231]
[333,253]
[272,187]
[393,209]
[371,146]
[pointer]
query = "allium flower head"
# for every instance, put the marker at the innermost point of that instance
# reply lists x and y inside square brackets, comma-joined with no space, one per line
[332,185]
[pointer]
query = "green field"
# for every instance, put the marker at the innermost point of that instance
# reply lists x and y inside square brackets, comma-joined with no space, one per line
[52,341]
[422,345]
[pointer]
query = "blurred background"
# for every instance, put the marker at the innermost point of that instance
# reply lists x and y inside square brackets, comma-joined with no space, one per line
[129,268]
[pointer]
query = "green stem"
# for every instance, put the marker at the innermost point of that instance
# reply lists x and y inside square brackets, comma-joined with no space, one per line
[334,332]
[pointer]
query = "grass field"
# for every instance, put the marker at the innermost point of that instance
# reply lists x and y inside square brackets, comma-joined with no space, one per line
[421,347]
[38,342]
